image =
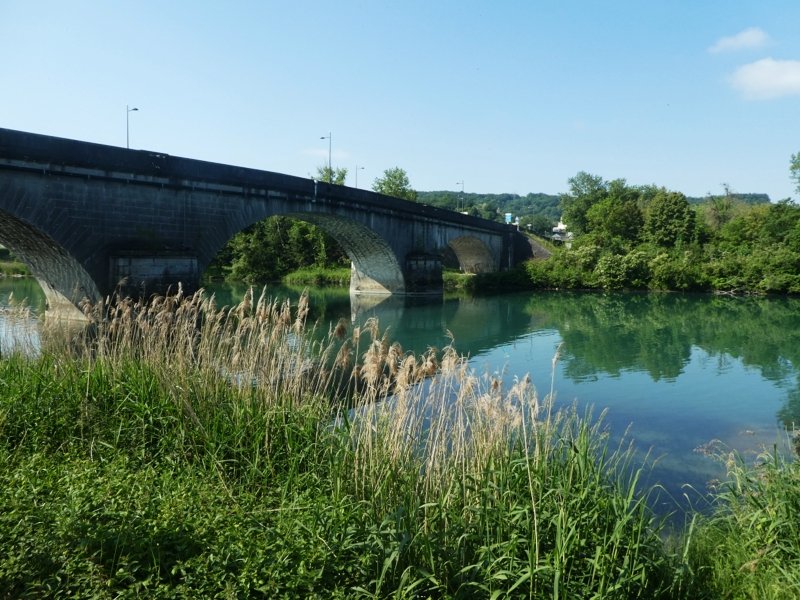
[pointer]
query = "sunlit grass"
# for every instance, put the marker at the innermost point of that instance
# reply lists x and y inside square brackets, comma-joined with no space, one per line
[319,277]
[11,268]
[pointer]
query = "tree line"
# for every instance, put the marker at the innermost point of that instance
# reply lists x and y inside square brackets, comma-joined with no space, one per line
[648,237]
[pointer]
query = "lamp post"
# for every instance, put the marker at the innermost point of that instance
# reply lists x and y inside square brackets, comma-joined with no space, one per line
[128,111]
[461,197]
[329,137]
[357,168]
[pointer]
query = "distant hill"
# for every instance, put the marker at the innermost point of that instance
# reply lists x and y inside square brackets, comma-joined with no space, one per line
[494,206]
[744,198]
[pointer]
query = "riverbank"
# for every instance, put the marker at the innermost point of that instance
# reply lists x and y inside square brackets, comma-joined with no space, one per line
[154,459]
[13,268]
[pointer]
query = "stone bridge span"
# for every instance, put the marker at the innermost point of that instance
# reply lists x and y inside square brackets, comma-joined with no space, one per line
[91,219]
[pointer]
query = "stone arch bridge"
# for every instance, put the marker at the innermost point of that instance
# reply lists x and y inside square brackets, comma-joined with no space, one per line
[90,219]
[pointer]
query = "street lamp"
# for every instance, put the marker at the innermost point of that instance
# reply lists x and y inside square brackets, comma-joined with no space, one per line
[459,205]
[329,137]
[128,111]
[357,168]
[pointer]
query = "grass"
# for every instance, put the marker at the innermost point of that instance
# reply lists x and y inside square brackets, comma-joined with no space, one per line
[174,449]
[749,547]
[482,283]
[11,268]
[319,276]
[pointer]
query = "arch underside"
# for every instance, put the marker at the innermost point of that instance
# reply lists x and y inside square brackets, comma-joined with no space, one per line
[472,254]
[374,265]
[63,280]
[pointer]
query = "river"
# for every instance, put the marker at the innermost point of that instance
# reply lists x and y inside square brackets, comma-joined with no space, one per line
[676,372]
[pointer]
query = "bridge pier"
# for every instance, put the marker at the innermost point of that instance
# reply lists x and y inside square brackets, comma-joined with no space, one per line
[141,274]
[423,273]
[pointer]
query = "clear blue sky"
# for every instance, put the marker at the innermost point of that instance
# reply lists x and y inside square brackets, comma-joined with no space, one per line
[506,95]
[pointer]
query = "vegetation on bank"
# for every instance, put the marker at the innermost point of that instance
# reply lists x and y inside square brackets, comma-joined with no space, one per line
[650,238]
[10,266]
[319,277]
[178,450]
[13,268]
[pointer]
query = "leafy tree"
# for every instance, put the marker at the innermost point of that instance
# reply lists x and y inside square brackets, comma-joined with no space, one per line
[328,175]
[670,219]
[395,183]
[274,247]
[781,221]
[538,224]
[617,216]
[258,254]
[614,220]
[794,170]
[585,190]
[720,209]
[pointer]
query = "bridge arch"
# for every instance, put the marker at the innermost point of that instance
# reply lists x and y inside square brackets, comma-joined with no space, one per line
[473,255]
[375,268]
[63,279]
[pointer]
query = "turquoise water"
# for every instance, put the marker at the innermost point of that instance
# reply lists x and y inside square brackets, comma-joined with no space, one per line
[675,371]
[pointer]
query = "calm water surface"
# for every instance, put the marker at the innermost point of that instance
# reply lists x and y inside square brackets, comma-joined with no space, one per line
[676,371]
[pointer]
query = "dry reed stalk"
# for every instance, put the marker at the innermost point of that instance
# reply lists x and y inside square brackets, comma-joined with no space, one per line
[427,415]
[258,343]
[447,427]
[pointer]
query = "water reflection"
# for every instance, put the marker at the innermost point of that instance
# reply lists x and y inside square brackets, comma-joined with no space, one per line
[22,290]
[655,333]
[18,332]
[21,300]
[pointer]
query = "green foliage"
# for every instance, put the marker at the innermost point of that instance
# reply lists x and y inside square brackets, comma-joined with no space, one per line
[319,277]
[9,265]
[736,197]
[628,271]
[395,183]
[677,270]
[719,210]
[649,237]
[12,268]
[540,211]
[670,220]
[585,191]
[336,175]
[274,247]
[537,224]
[613,219]
[794,170]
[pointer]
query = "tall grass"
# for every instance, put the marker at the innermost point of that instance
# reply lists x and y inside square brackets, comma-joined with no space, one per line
[749,547]
[176,448]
